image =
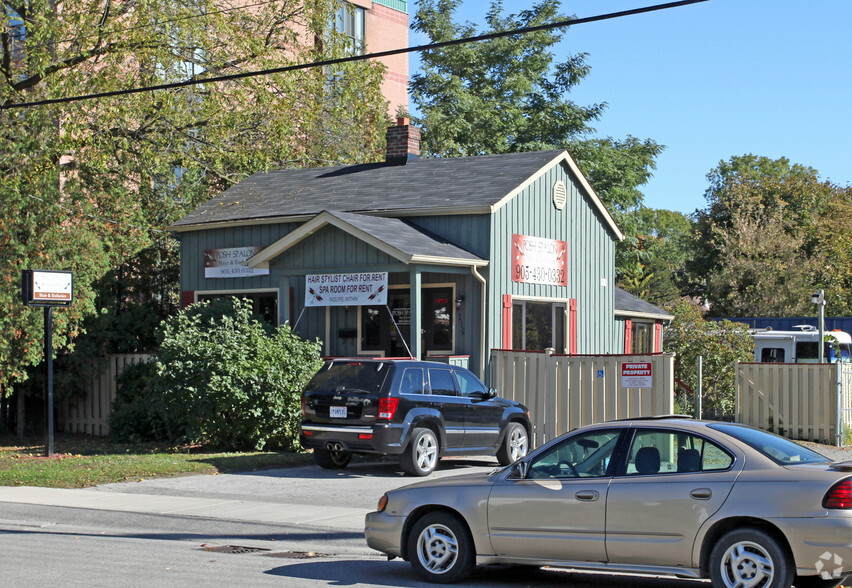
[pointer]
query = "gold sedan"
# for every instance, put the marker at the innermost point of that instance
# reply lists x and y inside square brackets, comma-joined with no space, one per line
[692,499]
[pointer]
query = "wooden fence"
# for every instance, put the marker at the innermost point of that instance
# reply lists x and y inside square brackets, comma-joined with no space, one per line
[566,391]
[809,402]
[90,412]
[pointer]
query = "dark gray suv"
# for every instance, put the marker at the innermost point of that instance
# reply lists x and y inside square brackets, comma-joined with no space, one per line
[417,410]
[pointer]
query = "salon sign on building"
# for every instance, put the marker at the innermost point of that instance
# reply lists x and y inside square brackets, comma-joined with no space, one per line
[539,261]
[230,263]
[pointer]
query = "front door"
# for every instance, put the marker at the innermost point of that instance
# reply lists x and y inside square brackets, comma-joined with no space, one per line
[388,330]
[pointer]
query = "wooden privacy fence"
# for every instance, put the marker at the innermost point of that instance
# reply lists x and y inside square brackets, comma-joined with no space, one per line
[89,413]
[809,402]
[565,391]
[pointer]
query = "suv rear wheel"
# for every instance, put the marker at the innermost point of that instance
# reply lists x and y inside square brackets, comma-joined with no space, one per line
[421,455]
[331,460]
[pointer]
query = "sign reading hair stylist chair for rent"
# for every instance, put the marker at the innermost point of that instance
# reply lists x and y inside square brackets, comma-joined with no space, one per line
[355,289]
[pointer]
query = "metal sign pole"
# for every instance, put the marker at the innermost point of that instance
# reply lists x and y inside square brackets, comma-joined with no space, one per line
[48,386]
[698,390]
[297,320]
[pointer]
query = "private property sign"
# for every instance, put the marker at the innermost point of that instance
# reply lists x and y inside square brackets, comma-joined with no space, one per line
[539,261]
[356,289]
[637,375]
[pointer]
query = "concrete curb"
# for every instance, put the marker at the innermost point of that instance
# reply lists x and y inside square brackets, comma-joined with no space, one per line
[334,517]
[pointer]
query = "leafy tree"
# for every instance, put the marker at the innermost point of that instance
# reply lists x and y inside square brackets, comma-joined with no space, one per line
[88,185]
[506,95]
[762,269]
[653,260]
[720,345]
[830,245]
[226,380]
[766,239]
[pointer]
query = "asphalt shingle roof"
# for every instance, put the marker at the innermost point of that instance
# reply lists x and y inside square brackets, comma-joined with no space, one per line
[420,184]
[405,238]
[624,301]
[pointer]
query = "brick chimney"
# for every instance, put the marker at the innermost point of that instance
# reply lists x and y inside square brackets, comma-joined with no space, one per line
[403,142]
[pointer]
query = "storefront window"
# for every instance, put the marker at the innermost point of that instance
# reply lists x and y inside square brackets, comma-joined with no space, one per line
[642,340]
[538,325]
[371,327]
[264,304]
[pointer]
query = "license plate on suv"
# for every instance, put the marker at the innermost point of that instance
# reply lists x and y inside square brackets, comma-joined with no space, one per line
[337,412]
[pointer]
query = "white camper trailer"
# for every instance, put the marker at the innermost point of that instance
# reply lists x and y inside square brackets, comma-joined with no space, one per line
[800,345]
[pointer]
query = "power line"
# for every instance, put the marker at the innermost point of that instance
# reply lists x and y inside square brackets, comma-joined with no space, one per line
[328,62]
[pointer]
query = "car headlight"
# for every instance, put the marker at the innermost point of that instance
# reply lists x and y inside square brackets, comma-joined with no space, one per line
[383,502]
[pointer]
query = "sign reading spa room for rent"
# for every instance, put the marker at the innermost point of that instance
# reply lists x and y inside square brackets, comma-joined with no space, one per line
[355,289]
[539,261]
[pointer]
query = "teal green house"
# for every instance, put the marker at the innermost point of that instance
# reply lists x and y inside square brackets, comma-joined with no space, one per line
[444,258]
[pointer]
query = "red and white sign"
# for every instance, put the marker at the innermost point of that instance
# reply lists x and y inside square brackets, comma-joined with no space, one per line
[637,375]
[539,261]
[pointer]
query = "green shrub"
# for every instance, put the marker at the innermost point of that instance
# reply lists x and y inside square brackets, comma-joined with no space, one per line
[137,414]
[228,381]
[720,344]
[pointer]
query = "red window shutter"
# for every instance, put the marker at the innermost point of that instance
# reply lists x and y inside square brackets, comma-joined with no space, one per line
[187,297]
[658,338]
[572,326]
[628,335]
[507,321]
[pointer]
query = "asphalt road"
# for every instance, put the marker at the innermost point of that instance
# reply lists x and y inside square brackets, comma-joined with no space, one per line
[222,530]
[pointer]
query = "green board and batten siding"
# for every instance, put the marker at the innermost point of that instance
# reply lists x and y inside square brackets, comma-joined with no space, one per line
[591,257]
[331,250]
[194,243]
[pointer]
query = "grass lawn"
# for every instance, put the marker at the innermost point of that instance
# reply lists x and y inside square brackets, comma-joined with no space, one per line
[81,460]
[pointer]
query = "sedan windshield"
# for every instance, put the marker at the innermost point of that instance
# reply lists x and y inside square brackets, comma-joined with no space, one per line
[780,450]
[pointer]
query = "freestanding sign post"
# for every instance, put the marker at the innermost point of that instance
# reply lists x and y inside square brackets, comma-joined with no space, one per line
[48,289]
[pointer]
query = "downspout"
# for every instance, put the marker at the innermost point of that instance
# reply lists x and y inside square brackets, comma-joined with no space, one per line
[477,275]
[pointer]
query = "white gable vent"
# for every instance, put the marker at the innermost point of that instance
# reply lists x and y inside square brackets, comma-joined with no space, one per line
[560,194]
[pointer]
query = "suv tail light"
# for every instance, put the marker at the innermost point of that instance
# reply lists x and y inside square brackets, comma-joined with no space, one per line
[839,495]
[387,408]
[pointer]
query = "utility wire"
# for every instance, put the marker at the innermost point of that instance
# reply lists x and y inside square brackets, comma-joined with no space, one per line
[328,62]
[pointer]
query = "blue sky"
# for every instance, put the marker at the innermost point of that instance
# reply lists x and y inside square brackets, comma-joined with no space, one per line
[713,80]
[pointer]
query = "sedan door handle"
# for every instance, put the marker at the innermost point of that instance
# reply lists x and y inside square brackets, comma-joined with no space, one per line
[587,495]
[701,494]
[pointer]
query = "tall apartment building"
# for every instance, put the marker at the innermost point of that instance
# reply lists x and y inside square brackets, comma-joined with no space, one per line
[381,25]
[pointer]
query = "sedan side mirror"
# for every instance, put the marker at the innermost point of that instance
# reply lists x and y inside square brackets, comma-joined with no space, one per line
[519,470]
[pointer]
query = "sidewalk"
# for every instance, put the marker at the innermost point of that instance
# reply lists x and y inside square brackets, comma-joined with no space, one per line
[335,517]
